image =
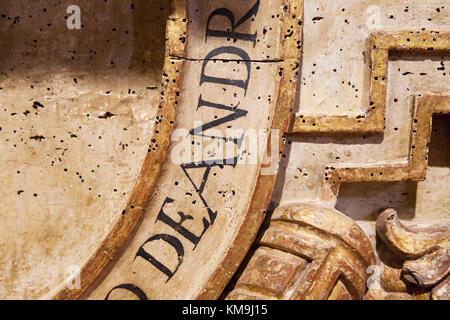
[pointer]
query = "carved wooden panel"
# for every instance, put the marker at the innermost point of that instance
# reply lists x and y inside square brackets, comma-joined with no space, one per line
[385,68]
[325,255]
[205,212]
[185,149]
[84,132]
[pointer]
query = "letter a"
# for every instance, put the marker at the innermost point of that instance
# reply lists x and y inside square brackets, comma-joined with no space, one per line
[74,21]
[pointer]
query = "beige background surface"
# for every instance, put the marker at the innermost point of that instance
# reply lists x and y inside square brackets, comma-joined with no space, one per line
[70,162]
[334,81]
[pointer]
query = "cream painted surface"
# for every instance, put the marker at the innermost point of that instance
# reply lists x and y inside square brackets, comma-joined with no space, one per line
[334,81]
[77,112]
[227,190]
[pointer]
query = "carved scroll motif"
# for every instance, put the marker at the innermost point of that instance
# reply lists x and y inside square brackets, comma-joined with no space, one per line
[426,254]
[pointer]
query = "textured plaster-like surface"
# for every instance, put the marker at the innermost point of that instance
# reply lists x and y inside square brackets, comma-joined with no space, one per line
[237,194]
[322,90]
[77,110]
[336,48]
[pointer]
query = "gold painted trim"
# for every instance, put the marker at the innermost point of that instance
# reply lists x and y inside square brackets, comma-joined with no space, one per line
[131,216]
[373,119]
[292,40]
[331,250]
[416,167]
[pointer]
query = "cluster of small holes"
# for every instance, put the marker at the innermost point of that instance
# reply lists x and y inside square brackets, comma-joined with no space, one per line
[26,133]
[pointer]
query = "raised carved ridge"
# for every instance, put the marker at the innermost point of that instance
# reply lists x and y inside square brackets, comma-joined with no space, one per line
[292,31]
[426,260]
[165,117]
[307,252]
[373,119]
[416,166]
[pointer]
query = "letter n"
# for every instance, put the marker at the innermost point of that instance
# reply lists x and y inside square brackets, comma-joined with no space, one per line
[226,81]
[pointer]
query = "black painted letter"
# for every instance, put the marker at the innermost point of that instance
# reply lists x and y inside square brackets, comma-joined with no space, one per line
[178,226]
[174,242]
[130,287]
[232,34]
[226,81]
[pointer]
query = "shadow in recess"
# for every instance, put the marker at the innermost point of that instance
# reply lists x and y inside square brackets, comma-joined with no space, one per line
[439,154]
[366,200]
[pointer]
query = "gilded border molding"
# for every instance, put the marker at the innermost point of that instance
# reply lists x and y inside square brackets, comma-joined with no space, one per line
[416,166]
[292,35]
[165,119]
[373,119]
